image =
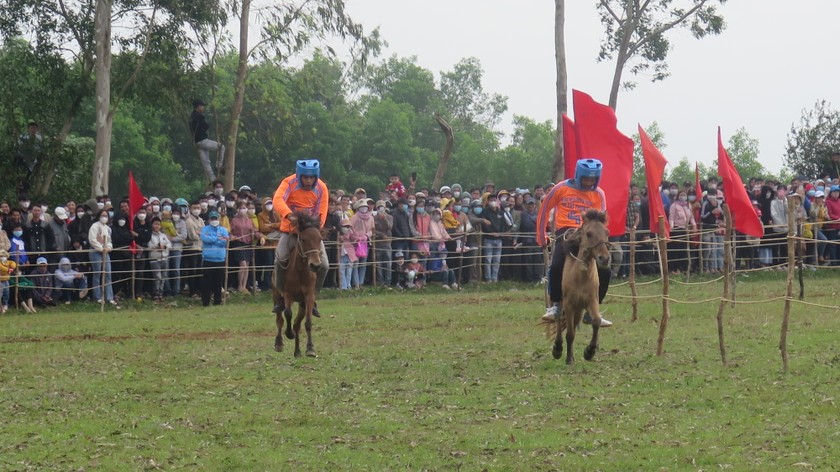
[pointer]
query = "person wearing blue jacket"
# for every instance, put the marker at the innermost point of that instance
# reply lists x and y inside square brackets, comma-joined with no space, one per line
[214,238]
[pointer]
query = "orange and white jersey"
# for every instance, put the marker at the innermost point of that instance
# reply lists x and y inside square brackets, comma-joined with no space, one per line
[569,205]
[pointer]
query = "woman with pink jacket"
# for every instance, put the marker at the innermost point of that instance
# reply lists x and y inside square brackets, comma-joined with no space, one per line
[681,219]
[832,229]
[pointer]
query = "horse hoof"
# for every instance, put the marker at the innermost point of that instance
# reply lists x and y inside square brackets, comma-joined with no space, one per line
[278,347]
[557,352]
[311,353]
[570,361]
[290,334]
[297,353]
[589,353]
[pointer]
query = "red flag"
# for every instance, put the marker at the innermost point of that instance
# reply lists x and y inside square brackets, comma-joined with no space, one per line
[744,217]
[697,189]
[654,169]
[597,137]
[135,199]
[570,150]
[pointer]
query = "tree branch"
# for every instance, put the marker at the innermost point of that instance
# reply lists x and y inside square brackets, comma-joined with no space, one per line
[635,47]
[291,18]
[606,5]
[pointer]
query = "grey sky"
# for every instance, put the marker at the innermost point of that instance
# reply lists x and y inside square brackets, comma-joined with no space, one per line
[774,60]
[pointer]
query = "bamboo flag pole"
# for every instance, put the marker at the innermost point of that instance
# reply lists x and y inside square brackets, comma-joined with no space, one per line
[666,287]
[102,281]
[789,286]
[633,292]
[727,272]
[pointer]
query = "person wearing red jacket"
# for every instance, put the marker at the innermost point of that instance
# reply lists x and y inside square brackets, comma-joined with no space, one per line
[302,191]
[570,200]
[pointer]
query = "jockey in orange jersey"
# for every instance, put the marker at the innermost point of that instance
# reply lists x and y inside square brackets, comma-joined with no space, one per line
[570,200]
[301,191]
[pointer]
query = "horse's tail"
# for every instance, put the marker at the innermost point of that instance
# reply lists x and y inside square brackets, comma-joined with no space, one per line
[550,327]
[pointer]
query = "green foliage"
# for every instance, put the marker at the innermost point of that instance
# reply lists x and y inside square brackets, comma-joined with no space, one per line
[465,99]
[636,34]
[811,142]
[527,160]
[744,152]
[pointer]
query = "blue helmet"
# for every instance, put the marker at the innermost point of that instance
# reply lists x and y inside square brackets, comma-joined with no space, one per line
[587,168]
[308,167]
[834,188]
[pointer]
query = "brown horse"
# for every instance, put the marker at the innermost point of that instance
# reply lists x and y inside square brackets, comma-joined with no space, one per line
[304,260]
[586,248]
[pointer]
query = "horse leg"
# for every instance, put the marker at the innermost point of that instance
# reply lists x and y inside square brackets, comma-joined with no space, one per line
[287,312]
[571,314]
[278,340]
[589,352]
[298,319]
[557,349]
[310,346]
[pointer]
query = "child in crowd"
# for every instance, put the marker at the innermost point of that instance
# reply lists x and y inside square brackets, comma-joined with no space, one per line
[400,270]
[7,268]
[415,272]
[347,254]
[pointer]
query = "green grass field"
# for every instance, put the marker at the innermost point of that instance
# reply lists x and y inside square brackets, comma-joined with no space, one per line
[427,380]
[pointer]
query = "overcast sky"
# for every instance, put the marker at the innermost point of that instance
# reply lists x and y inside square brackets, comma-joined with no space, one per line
[774,59]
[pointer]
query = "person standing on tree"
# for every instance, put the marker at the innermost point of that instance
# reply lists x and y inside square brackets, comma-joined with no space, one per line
[199,128]
[570,200]
[301,191]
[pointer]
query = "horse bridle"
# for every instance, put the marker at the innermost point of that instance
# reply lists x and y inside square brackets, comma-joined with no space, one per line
[585,249]
[304,254]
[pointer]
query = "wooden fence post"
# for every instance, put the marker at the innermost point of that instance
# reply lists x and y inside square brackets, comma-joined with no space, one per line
[789,286]
[633,293]
[666,286]
[727,271]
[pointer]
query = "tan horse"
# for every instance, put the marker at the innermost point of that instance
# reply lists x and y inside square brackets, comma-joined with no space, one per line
[304,261]
[587,248]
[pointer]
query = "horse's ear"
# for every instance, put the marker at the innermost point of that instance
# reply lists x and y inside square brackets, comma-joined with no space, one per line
[602,217]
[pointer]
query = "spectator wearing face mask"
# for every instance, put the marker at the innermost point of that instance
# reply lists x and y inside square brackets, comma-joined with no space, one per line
[143,228]
[159,246]
[779,229]
[438,260]
[244,236]
[70,285]
[347,258]
[383,224]
[176,231]
[495,225]
[5,243]
[712,224]
[421,221]
[363,226]
[191,255]
[101,246]
[121,237]
[214,240]
[39,235]
[401,230]
[7,268]
[268,223]
[681,220]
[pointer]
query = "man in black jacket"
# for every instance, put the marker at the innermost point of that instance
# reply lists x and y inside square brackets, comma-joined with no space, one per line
[401,229]
[199,128]
[492,239]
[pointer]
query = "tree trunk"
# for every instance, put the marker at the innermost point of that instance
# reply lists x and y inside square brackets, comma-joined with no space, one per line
[558,172]
[447,151]
[627,29]
[104,119]
[239,97]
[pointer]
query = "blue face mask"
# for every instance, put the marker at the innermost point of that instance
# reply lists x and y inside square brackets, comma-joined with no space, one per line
[18,233]
[421,210]
[821,188]
[457,207]
[811,193]
[477,210]
[404,207]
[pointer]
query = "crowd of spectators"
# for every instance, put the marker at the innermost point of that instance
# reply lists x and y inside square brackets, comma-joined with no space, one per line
[398,236]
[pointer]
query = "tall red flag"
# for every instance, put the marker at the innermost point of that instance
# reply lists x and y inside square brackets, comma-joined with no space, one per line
[655,164]
[570,150]
[697,189]
[744,217]
[598,138]
[135,199]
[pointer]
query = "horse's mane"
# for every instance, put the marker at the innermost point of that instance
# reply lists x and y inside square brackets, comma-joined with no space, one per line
[571,241]
[306,220]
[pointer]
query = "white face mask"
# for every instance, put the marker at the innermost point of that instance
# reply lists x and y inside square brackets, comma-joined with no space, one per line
[100,205]
[435,217]
[103,220]
[195,211]
[414,260]
[155,208]
[24,204]
[121,222]
[4,259]
[203,205]
[269,207]
[345,229]
[493,204]
[363,209]
[456,194]
[80,214]
[167,208]
[243,211]
[214,223]
[218,191]
[176,218]
[44,208]
[212,202]
[230,203]
[141,216]
[252,211]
